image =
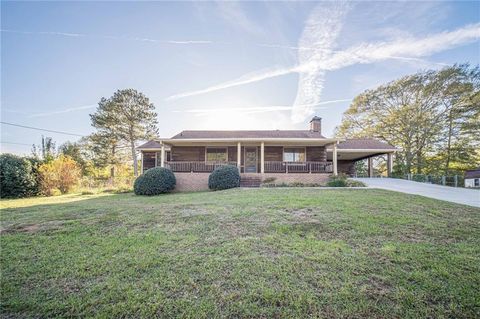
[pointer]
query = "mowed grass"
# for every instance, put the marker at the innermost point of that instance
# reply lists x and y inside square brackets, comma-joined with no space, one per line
[241,253]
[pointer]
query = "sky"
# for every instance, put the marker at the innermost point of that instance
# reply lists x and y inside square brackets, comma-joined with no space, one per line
[216,65]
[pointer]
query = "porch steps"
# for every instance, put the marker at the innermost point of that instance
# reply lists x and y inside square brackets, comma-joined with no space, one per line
[250,181]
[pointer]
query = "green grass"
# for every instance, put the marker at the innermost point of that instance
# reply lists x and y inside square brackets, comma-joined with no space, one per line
[240,253]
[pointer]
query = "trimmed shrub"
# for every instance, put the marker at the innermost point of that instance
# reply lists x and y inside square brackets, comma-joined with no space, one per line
[354,183]
[155,181]
[17,178]
[224,177]
[337,181]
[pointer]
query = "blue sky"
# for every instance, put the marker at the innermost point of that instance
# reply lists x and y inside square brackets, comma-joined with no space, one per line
[216,65]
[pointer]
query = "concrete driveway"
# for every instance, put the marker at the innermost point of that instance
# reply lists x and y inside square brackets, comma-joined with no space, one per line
[451,194]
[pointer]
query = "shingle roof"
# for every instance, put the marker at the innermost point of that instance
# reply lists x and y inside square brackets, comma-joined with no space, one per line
[248,134]
[473,173]
[364,144]
[150,144]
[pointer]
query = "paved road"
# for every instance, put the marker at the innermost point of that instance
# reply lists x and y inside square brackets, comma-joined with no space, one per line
[451,194]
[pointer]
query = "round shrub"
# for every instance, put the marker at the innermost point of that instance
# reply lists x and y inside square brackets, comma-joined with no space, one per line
[224,177]
[337,181]
[17,178]
[155,181]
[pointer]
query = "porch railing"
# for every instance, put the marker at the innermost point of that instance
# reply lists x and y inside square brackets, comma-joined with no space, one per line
[196,166]
[270,167]
[298,167]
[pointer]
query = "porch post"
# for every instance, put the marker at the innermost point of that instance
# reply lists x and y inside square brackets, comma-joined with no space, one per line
[239,156]
[141,162]
[370,167]
[389,164]
[162,156]
[334,159]
[262,157]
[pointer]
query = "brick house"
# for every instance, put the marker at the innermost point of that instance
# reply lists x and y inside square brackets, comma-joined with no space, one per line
[304,156]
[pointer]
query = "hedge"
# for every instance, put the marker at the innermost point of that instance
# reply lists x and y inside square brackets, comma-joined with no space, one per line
[155,181]
[224,177]
[17,177]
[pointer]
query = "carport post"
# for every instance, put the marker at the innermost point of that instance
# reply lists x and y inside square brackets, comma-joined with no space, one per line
[389,164]
[239,157]
[370,167]
[334,160]
[162,156]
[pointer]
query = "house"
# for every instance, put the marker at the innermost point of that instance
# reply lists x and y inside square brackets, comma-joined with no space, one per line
[304,156]
[472,177]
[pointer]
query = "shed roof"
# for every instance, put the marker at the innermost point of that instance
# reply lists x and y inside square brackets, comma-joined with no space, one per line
[472,173]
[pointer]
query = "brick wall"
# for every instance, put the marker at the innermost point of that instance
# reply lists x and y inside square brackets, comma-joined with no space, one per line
[191,182]
[297,178]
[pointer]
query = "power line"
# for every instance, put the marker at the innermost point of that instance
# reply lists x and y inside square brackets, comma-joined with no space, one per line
[41,129]
[2,142]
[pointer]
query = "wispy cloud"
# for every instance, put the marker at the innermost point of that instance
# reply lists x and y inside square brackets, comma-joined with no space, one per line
[257,109]
[111,37]
[315,58]
[233,13]
[245,79]
[321,31]
[67,110]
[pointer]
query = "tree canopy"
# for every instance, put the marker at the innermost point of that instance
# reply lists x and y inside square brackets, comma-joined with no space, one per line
[123,119]
[433,116]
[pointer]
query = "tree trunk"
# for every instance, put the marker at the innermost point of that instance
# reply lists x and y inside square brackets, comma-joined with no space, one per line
[449,143]
[112,169]
[134,156]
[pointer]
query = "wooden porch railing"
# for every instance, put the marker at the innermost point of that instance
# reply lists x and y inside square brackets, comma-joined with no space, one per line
[270,167]
[298,167]
[196,166]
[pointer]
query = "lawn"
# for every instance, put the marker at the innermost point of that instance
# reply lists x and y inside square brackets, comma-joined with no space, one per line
[241,253]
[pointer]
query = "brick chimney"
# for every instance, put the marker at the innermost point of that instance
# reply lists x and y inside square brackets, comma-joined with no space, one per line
[316,124]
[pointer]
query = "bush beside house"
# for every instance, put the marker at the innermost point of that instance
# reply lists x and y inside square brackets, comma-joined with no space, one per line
[155,181]
[224,177]
[17,177]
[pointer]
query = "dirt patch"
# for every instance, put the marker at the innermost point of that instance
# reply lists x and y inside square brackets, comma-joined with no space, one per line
[34,228]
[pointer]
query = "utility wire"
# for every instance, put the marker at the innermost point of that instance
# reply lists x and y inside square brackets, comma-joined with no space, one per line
[2,142]
[40,129]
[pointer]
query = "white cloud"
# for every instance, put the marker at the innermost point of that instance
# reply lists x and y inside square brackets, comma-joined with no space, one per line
[113,37]
[321,31]
[67,110]
[315,58]
[233,13]
[257,109]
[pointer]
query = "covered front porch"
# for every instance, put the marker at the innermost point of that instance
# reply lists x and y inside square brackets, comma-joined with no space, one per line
[252,157]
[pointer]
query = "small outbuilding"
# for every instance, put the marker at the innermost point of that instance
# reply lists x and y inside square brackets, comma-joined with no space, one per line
[472,178]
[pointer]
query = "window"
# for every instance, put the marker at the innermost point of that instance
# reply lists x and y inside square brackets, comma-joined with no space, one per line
[294,155]
[216,154]
[477,182]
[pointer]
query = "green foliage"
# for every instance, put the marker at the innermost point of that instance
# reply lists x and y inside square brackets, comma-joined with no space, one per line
[354,183]
[124,119]
[61,174]
[337,181]
[155,181]
[74,150]
[269,180]
[45,151]
[224,177]
[433,116]
[17,177]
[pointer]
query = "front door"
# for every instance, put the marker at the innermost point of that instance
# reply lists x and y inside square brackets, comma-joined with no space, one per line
[250,159]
